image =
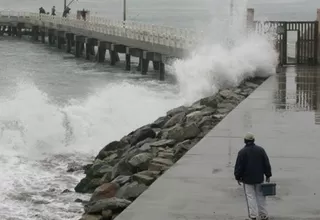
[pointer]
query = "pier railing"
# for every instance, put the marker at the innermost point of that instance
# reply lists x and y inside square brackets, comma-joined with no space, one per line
[154,34]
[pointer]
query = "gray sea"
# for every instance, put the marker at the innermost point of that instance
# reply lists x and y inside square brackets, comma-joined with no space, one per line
[56,110]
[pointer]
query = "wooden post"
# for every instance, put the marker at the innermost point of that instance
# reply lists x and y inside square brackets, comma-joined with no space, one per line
[128,59]
[250,19]
[162,71]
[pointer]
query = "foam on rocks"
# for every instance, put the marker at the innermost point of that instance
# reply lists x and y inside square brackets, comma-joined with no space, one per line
[125,168]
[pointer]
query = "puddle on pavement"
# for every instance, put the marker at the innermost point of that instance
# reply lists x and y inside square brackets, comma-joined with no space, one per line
[299,90]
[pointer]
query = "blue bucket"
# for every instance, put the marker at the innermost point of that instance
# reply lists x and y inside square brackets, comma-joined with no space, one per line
[268,189]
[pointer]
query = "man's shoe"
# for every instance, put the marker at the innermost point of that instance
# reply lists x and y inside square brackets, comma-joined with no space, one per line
[264,218]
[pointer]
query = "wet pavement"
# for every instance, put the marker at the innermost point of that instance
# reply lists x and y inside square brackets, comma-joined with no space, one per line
[284,115]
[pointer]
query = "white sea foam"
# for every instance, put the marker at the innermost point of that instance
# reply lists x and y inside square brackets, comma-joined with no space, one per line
[38,138]
[226,55]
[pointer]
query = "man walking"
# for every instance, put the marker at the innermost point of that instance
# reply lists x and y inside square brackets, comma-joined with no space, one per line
[251,166]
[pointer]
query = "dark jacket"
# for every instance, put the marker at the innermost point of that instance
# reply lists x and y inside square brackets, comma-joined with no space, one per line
[252,164]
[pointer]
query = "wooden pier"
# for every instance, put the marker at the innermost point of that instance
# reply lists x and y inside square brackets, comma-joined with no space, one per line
[93,37]
[145,41]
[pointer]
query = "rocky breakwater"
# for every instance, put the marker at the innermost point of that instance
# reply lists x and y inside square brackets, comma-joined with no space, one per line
[125,168]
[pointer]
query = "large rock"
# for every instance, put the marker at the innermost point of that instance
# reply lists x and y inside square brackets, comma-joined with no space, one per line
[114,204]
[122,180]
[105,191]
[163,161]
[121,168]
[87,185]
[177,110]
[148,140]
[180,133]
[211,101]
[98,169]
[251,85]
[142,134]
[131,191]
[112,159]
[140,161]
[163,143]
[159,123]
[157,167]
[225,107]
[144,179]
[176,119]
[197,116]
[114,145]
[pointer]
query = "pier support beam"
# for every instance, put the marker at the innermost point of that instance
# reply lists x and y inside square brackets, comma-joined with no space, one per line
[35,33]
[162,71]
[144,63]
[69,40]
[102,48]
[14,31]
[51,37]
[60,39]
[90,48]
[79,42]
[114,56]
[9,30]
[128,59]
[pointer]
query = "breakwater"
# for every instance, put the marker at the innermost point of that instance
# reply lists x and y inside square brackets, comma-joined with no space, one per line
[124,169]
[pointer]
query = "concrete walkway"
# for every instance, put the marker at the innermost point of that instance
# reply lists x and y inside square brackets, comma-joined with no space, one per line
[282,114]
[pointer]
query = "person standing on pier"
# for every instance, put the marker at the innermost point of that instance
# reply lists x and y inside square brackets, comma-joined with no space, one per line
[251,166]
[41,10]
[53,11]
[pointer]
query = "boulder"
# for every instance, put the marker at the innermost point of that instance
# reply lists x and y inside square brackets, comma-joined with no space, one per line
[180,133]
[251,85]
[177,110]
[144,179]
[145,147]
[197,116]
[121,168]
[114,145]
[163,161]
[114,204]
[176,119]
[141,135]
[140,161]
[153,166]
[111,159]
[148,140]
[105,191]
[121,180]
[159,123]
[87,185]
[163,143]
[211,101]
[166,155]
[225,107]
[208,120]
[131,191]
[98,169]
